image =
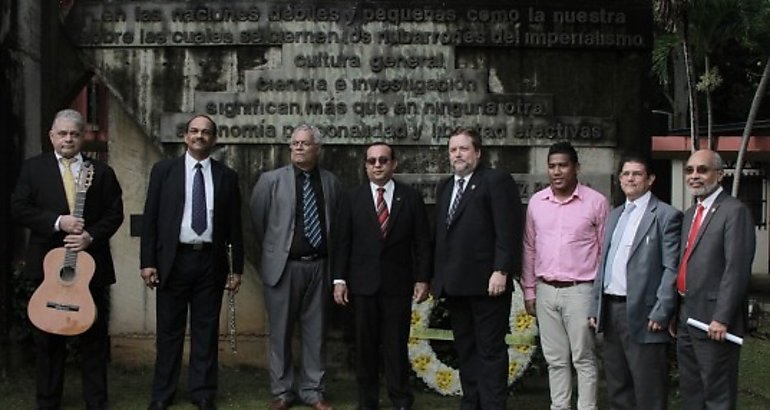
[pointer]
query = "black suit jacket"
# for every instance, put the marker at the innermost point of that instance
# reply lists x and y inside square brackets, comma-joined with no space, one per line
[39,199]
[163,218]
[485,235]
[391,265]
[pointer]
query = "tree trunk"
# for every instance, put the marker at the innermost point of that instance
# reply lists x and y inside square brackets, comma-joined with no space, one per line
[709,110]
[748,127]
[695,143]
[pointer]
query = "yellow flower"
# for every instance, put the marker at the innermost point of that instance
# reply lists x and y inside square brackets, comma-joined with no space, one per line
[524,321]
[416,319]
[512,367]
[523,349]
[420,363]
[444,379]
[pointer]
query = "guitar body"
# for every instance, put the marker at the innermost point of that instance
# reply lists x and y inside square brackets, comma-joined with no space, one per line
[62,304]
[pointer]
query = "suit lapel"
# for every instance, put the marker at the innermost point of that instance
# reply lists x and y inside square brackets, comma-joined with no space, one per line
[178,179]
[468,192]
[707,217]
[644,224]
[52,168]
[395,205]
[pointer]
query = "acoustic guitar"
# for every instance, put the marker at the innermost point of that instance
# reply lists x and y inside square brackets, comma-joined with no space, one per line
[62,304]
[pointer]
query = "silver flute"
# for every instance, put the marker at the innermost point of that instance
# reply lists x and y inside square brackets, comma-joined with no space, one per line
[232,330]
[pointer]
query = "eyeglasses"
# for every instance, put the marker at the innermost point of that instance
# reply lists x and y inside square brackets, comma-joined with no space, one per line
[303,144]
[375,160]
[701,169]
[629,174]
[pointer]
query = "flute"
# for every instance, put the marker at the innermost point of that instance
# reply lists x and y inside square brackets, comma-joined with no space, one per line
[232,330]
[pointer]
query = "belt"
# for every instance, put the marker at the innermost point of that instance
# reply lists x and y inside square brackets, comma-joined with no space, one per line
[614,298]
[203,246]
[306,258]
[564,284]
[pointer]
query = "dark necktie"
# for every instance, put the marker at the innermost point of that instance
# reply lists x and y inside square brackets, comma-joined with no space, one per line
[199,222]
[310,213]
[382,212]
[456,202]
[681,277]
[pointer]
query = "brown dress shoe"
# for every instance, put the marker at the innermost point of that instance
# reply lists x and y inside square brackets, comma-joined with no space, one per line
[279,404]
[322,405]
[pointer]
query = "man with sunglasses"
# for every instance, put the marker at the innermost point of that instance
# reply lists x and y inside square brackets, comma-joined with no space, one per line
[718,244]
[293,209]
[386,242]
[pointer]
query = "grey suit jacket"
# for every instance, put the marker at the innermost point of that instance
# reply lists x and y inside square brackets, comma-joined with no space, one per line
[272,205]
[650,272]
[719,268]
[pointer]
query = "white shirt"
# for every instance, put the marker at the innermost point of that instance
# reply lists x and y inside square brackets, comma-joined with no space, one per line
[186,233]
[618,276]
[389,186]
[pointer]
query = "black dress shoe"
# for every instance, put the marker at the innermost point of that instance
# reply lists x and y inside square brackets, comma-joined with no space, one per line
[206,404]
[157,405]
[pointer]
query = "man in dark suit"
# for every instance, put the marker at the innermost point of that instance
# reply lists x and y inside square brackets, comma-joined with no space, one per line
[386,245]
[42,203]
[293,209]
[191,214]
[478,248]
[718,244]
[634,298]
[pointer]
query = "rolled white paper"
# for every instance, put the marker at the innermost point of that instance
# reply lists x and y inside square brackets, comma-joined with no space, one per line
[704,327]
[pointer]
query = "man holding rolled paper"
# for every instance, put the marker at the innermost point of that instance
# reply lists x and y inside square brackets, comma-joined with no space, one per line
[717,251]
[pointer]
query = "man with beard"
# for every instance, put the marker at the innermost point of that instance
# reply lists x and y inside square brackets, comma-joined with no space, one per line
[478,248]
[717,251]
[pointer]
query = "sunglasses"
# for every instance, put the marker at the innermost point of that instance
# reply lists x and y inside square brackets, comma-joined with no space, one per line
[375,160]
[701,169]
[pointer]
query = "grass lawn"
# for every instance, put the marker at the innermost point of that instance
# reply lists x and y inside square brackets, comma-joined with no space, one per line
[247,387]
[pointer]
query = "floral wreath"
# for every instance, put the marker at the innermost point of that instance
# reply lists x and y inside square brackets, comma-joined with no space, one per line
[446,380]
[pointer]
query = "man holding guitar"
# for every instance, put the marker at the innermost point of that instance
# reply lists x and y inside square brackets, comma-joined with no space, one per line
[45,201]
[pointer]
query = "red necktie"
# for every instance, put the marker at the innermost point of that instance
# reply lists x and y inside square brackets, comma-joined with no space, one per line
[382,211]
[681,278]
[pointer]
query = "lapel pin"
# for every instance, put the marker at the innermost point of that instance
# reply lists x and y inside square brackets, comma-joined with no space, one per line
[473,187]
[398,199]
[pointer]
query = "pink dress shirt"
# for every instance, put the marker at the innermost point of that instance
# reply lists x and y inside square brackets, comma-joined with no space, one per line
[563,240]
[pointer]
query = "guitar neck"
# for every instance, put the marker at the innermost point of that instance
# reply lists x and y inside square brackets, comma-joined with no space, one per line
[70,256]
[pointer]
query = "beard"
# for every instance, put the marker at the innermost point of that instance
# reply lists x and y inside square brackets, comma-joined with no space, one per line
[704,190]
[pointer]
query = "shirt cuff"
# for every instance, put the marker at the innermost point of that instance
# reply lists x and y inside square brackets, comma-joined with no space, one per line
[56,227]
[340,282]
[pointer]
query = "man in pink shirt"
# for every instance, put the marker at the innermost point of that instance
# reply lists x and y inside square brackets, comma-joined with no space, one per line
[562,242]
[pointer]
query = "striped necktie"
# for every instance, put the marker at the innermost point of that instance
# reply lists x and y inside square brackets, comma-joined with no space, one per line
[681,277]
[311,220]
[456,202]
[382,212]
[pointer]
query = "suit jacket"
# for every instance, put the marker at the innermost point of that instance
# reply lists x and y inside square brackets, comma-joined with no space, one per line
[719,268]
[390,265]
[485,235]
[650,271]
[39,199]
[163,211]
[273,206]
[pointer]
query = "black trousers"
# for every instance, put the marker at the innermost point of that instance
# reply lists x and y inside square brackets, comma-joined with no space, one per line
[51,352]
[190,285]
[383,321]
[479,324]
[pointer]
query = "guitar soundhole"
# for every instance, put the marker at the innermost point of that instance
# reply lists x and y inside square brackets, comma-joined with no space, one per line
[67,273]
